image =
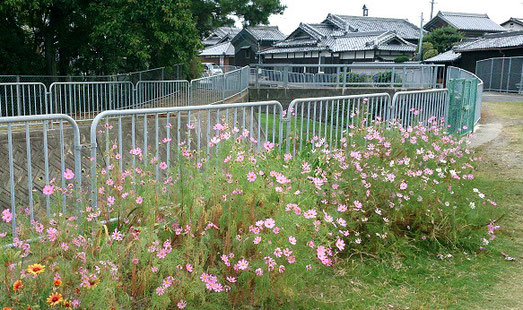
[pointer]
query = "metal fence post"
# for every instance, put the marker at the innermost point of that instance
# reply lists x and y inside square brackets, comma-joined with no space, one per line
[285,76]
[393,73]
[224,77]
[18,102]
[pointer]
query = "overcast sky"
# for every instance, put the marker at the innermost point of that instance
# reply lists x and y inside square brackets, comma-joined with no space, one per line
[315,11]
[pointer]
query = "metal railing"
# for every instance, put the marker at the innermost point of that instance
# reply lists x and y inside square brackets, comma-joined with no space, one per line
[133,77]
[125,139]
[156,94]
[502,74]
[425,106]
[84,100]
[328,118]
[218,88]
[353,75]
[20,99]
[454,73]
[192,128]
[40,158]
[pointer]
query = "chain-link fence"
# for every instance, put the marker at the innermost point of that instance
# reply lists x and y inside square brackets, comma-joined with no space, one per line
[503,74]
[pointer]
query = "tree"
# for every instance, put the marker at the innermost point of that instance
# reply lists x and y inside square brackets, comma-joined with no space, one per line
[428,50]
[101,36]
[443,39]
[210,14]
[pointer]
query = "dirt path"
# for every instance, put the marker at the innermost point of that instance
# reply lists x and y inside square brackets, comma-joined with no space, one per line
[501,132]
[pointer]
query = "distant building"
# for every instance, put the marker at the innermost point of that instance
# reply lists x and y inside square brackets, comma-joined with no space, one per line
[221,54]
[471,25]
[250,41]
[466,54]
[220,35]
[513,24]
[343,39]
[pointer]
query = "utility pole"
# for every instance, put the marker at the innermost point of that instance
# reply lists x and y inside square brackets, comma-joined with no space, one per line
[420,52]
[432,8]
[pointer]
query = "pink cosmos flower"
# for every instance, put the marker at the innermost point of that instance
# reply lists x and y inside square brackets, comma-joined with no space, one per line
[7,216]
[68,174]
[117,236]
[181,304]
[403,186]
[163,165]
[251,176]
[340,244]
[242,264]
[139,200]
[269,223]
[48,190]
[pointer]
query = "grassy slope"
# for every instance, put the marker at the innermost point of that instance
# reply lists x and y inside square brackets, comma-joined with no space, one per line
[465,281]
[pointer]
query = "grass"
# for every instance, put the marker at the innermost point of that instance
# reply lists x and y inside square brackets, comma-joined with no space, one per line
[419,280]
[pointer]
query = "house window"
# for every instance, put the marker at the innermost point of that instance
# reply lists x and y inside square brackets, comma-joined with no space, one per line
[248,53]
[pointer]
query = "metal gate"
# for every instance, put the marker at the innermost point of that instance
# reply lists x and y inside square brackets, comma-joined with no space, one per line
[462,105]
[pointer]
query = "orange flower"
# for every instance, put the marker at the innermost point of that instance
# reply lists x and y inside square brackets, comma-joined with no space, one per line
[35,269]
[17,285]
[54,299]
[57,282]
[67,304]
[6,308]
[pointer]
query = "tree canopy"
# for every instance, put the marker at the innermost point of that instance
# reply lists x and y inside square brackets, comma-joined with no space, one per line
[94,37]
[210,14]
[443,39]
[60,37]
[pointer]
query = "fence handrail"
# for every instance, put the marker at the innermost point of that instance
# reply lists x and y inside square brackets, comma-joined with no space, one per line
[151,111]
[403,92]
[313,99]
[370,64]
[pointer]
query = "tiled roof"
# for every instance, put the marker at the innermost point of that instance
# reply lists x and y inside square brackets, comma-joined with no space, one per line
[466,21]
[402,27]
[220,34]
[225,48]
[448,56]
[509,39]
[516,20]
[266,33]
[352,41]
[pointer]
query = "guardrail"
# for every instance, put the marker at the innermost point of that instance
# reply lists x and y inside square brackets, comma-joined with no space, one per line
[353,75]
